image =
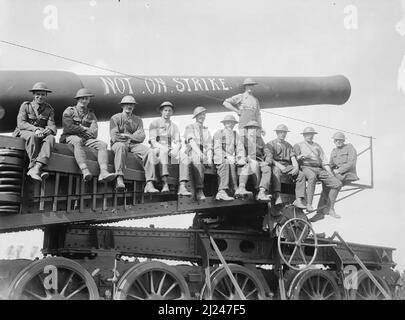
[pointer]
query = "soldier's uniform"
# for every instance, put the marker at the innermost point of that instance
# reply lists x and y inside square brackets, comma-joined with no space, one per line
[31,117]
[167,133]
[203,139]
[248,106]
[133,125]
[344,160]
[258,161]
[228,150]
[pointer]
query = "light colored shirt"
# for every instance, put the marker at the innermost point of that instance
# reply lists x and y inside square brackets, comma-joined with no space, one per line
[314,154]
[248,106]
[200,134]
[227,144]
[164,132]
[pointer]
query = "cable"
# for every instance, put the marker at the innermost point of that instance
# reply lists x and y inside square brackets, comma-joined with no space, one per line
[140,78]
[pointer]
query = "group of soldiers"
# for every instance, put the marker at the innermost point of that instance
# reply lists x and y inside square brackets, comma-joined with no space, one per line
[237,155]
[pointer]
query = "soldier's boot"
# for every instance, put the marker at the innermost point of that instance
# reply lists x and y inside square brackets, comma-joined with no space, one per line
[200,194]
[320,215]
[120,185]
[35,172]
[262,196]
[104,175]
[310,208]
[150,188]
[333,214]
[183,190]
[222,195]
[87,176]
[278,199]
[242,192]
[299,203]
[165,185]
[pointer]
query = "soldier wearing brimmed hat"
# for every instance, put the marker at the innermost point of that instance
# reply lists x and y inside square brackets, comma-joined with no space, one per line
[198,141]
[164,137]
[127,134]
[315,166]
[245,104]
[228,153]
[284,162]
[80,129]
[36,125]
[258,162]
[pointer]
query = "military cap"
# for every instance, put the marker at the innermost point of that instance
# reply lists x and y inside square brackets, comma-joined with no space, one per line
[309,130]
[166,104]
[249,81]
[128,100]
[198,110]
[252,123]
[282,127]
[40,86]
[339,136]
[83,92]
[229,118]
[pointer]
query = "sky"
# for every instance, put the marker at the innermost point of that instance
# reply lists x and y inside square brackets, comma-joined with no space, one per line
[362,40]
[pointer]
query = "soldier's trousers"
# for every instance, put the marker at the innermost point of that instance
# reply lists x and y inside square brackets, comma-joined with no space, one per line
[164,158]
[261,175]
[226,173]
[330,185]
[143,152]
[299,182]
[38,149]
[197,169]
[80,155]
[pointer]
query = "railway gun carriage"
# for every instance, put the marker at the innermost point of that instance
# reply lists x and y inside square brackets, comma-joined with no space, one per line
[224,255]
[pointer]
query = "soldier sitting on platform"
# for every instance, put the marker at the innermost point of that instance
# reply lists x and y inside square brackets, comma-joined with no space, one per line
[258,162]
[199,149]
[36,125]
[284,162]
[80,129]
[164,137]
[127,134]
[228,152]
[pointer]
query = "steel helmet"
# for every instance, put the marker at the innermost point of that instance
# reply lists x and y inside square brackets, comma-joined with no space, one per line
[198,110]
[309,130]
[252,123]
[229,118]
[166,104]
[282,127]
[40,86]
[83,92]
[128,100]
[339,136]
[249,81]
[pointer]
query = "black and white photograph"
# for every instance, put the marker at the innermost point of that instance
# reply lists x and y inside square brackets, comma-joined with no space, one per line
[202,150]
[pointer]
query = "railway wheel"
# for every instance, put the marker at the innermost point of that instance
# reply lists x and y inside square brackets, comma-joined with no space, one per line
[291,243]
[366,288]
[314,284]
[152,280]
[222,287]
[53,279]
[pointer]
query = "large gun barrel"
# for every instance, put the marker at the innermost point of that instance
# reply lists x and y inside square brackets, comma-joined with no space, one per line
[185,92]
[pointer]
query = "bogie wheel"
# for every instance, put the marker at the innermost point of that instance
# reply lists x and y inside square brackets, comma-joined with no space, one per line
[366,288]
[152,280]
[53,278]
[222,287]
[315,284]
[291,243]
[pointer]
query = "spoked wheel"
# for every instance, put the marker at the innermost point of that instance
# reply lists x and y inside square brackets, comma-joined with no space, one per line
[53,279]
[291,245]
[366,288]
[222,287]
[315,285]
[152,280]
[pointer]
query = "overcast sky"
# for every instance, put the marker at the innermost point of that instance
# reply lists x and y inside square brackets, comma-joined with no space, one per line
[359,39]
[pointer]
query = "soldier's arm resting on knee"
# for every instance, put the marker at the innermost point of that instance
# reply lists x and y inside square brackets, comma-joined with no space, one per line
[50,126]
[93,129]
[69,125]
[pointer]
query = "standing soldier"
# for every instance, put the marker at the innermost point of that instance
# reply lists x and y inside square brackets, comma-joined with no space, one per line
[314,166]
[246,105]
[228,152]
[164,137]
[199,148]
[36,125]
[127,134]
[80,129]
[258,162]
[284,161]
